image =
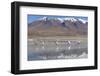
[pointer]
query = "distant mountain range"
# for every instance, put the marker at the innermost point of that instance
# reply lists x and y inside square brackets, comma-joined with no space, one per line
[58,27]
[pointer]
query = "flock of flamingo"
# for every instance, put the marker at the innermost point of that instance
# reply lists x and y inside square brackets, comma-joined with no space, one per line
[56,42]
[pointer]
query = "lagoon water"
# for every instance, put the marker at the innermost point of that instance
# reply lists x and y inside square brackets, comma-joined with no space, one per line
[51,51]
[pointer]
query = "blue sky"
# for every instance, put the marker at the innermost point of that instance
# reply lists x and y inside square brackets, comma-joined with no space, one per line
[31,18]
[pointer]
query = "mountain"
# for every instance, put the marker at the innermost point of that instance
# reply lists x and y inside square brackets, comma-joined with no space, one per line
[58,27]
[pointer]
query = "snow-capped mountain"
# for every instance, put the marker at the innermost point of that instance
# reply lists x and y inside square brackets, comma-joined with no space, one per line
[64,19]
[58,26]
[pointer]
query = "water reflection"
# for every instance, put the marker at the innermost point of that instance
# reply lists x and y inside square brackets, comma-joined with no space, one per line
[47,51]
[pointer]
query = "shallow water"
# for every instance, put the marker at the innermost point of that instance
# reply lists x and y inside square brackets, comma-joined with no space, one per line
[50,51]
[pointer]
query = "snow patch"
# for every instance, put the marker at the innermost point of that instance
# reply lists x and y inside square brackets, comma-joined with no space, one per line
[44,18]
[71,19]
[83,21]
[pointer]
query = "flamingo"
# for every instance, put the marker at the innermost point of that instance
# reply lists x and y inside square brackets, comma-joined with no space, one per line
[69,42]
[42,42]
[79,42]
[57,42]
